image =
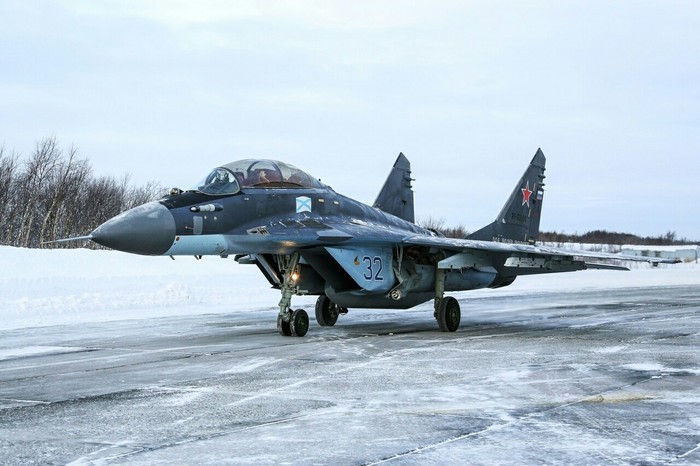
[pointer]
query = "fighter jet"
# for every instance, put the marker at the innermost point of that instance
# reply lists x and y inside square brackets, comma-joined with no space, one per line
[306,239]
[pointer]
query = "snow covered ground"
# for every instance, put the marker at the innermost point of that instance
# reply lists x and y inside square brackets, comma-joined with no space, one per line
[110,358]
[66,286]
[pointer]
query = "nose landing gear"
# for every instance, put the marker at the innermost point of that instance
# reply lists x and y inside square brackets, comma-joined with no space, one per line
[293,323]
[289,322]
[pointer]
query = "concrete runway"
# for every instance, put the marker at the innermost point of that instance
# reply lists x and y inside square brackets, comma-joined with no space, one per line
[588,377]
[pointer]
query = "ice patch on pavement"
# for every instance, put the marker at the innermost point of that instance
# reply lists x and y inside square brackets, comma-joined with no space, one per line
[26,351]
[248,366]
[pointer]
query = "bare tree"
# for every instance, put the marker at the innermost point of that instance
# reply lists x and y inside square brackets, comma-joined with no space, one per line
[136,196]
[53,194]
[33,184]
[69,177]
[431,223]
[438,225]
[8,170]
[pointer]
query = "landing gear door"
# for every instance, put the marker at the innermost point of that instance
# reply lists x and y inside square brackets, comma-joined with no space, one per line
[370,268]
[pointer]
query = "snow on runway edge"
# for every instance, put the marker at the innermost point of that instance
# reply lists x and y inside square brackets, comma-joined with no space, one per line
[42,287]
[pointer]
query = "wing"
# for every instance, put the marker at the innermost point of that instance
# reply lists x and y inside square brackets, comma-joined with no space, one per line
[514,258]
[519,259]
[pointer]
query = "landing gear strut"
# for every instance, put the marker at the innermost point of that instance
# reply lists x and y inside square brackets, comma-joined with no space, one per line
[447,312]
[291,323]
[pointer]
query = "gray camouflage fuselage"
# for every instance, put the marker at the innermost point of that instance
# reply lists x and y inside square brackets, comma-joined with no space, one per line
[307,239]
[257,224]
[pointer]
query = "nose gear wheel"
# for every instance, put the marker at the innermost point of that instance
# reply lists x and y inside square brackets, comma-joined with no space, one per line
[299,324]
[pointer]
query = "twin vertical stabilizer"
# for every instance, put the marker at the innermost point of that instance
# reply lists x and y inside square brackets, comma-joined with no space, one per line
[396,196]
[519,220]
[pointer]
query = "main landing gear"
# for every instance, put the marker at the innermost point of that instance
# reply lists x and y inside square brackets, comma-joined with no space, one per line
[289,322]
[447,312]
[327,311]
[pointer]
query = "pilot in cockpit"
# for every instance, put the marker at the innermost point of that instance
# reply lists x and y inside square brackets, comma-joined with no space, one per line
[262,177]
[220,177]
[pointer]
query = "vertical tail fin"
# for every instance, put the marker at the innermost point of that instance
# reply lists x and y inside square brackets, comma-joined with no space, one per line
[396,196]
[519,220]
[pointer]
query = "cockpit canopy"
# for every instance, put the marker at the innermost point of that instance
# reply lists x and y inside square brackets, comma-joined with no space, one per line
[255,173]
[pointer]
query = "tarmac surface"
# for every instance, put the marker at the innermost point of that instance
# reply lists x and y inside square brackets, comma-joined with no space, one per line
[587,377]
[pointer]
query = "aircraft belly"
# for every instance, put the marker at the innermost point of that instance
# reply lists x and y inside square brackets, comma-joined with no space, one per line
[416,289]
[362,300]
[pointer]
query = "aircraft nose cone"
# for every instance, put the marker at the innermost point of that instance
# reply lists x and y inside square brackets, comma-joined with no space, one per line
[148,229]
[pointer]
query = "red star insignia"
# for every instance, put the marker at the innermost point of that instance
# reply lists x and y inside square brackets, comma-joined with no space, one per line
[526,194]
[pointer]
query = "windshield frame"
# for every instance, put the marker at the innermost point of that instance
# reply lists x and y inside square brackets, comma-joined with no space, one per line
[219,182]
[255,174]
[266,173]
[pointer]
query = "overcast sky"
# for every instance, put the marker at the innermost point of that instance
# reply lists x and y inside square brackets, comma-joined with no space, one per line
[166,90]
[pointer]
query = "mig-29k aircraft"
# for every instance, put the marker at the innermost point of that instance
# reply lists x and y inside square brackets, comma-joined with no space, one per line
[307,239]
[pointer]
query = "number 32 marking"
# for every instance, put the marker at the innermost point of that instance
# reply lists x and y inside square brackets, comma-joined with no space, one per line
[373,268]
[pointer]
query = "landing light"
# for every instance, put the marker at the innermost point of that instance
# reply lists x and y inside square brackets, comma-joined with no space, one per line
[295,276]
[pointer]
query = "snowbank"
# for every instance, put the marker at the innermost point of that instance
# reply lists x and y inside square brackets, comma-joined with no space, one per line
[51,287]
[42,287]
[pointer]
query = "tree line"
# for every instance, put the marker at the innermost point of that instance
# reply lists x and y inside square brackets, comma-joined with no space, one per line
[54,194]
[591,237]
[610,237]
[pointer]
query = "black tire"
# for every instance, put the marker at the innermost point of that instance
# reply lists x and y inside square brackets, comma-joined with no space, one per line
[299,324]
[283,327]
[326,311]
[448,314]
